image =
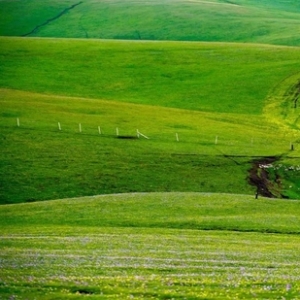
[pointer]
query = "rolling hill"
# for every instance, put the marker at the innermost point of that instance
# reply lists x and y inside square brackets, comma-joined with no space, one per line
[271,22]
[180,95]
[151,246]
[179,113]
[213,111]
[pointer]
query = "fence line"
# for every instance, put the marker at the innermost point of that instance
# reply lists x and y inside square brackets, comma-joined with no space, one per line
[167,136]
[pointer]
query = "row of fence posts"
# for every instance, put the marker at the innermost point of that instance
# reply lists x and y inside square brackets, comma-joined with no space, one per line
[99,130]
[138,133]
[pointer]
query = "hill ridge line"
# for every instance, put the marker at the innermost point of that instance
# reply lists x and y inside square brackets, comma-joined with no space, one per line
[114,102]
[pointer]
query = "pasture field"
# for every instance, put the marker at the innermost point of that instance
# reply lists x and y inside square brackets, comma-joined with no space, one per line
[151,246]
[174,133]
[256,21]
[161,89]
[41,162]
[218,77]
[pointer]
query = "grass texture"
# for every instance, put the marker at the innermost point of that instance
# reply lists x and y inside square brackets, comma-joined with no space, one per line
[163,90]
[151,246]
[74,120]
[271,22]
[216,77]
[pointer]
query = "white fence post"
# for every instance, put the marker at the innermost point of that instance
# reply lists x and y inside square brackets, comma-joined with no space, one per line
[139,133]
[18,122]
[59,127]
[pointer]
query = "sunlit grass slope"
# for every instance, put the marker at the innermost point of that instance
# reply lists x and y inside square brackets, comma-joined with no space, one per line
[40,162]
[233,78]
[203,106]
[272,22]
[282,104]
[186,150]
[158,210]
[151,246]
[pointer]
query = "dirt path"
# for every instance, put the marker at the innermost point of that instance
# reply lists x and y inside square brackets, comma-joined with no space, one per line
[259,178]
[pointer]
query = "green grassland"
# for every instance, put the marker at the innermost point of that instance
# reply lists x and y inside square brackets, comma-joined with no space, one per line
[172,132]
[256,21]
[161,89]
[151,246]
[199,76]
[40,162]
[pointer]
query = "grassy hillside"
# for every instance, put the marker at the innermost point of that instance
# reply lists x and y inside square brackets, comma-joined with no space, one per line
[83,117]
[145,246]
[214,152]
[161,89]
[159,210]
[271,22]
[40,162]
[216,77]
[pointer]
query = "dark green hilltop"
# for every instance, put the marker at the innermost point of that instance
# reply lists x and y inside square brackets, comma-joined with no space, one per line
[256,21]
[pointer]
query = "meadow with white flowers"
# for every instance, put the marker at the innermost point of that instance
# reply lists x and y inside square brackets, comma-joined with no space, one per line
[151,246]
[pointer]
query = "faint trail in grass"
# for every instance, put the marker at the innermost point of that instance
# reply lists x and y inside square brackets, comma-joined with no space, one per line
[230,157]
[214,3]
[52,19]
